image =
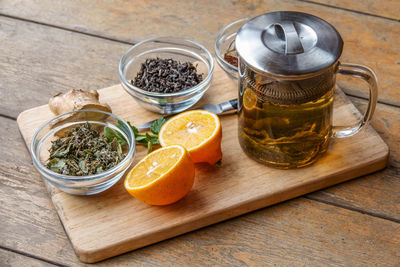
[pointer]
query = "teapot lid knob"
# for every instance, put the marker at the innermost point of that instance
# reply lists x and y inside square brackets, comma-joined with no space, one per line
[282,38]
[287,43]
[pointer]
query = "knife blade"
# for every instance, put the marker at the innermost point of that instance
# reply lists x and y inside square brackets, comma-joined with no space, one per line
[214,108]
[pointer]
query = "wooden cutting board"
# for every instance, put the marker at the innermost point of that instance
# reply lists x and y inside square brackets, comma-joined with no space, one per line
[112,222]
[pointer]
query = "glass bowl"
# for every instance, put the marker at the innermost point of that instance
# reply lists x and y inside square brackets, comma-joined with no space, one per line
[58,127]
[166,47]
[224,42]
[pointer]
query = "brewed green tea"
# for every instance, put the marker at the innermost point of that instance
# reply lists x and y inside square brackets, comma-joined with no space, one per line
[284,136]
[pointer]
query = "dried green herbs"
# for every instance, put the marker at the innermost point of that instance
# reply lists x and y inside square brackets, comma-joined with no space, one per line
[166,76]
[84,151]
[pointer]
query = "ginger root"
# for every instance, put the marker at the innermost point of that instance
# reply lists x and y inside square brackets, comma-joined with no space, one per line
[76,99]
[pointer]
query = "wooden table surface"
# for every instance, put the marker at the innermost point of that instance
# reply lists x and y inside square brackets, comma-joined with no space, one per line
[47,47]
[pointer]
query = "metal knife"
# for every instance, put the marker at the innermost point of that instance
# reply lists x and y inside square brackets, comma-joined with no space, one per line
[214,108]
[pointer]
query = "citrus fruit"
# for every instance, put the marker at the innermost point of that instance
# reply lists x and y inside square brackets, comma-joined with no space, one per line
[162,177]
[199,131]
[249,99]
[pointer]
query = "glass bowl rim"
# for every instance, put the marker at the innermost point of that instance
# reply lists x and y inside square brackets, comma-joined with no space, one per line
[63,177]
[218,52]
[195,88]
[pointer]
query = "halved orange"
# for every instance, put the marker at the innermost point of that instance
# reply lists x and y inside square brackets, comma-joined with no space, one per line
[249,99]
[199,131]
[162,177]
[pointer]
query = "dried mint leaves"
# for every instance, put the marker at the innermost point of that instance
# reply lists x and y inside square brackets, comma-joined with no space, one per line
[84,151]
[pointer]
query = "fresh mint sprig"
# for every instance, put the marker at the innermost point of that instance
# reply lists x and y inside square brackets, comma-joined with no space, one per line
[147,139]
[156,126]
[110,134]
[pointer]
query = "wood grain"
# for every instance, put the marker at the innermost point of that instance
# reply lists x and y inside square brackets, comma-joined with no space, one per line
[370,41]
[9,259]
[296,233]
[387,123]
[290,230]
[221,244]
[29,222]
[91,222]
[388,8]
[377,193]
[35,216]
[38,61]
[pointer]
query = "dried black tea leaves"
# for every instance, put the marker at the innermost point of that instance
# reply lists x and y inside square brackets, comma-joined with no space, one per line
[166,76]
[233,60]
[84,151]
[231,55]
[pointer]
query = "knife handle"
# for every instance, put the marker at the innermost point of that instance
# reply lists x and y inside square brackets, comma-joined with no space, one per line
[234,103]
[228,105]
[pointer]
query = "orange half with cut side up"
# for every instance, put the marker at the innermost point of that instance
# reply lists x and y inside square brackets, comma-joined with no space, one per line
[199,131]
[163,177]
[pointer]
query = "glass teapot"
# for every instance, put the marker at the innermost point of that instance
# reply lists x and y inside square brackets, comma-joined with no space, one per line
[288,63]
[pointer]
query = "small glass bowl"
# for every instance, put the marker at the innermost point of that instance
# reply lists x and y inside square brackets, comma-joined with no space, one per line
[166,47]
[57,127]
[226,41]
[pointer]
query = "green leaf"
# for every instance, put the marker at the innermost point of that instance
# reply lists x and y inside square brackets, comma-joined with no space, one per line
[145,138]
[110,134]
[134,129]
[83,167]
[152,138]
[56,165]
[156,126]
[149,147]
[155,141]
[61,152]
[141,140]
[116,146]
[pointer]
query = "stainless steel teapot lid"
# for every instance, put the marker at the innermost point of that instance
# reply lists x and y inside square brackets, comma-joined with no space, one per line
[288,43]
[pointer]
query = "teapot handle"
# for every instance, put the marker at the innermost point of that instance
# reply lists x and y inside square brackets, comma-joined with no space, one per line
[369,76]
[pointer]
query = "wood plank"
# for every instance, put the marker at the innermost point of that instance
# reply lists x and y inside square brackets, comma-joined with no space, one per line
[9,258]
[300,231]
[387,8]
[370,41]
[28,222]
[32,214]
[38,61]
[386,122]
[377,193]
[219,193]
[211,250]
[296,233]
